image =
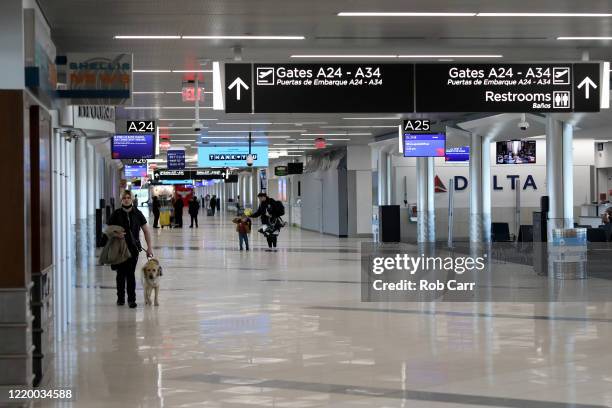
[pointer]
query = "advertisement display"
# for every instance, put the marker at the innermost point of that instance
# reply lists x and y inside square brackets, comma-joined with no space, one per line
[135,170]
[231,156]
[134,146]
[458,154]
[98,78]
[424,144]
[516,152]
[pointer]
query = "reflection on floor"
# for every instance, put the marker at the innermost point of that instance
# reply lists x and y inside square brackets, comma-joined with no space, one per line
[287,329]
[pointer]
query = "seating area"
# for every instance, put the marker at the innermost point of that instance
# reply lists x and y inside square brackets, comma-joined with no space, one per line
[500,232]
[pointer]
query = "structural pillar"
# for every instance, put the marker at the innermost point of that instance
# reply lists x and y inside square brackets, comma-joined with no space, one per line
[480,189]
[426,216]
[559,174]
[81,178]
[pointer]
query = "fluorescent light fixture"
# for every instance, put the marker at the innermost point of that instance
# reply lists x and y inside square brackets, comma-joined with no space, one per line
[166,107]
[184,134]
[175,127]
[307,139]
[150,71]
[403,14]
[360,127]
[337,134]
[181,140]
[147,92]
[243,37]
[191,70]
[256,131]
[374,118]
[432,56]
[544,15]
[338,140]
[147,37]
[344,56]
[605,86]
[584,38]
[218,103]
[243,137]
[191,120]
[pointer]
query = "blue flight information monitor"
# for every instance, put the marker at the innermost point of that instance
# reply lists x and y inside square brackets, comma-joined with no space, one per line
[458,154]
[135,170]
[133,146]
[424,144]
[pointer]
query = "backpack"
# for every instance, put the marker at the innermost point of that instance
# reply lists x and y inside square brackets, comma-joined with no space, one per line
[277,208]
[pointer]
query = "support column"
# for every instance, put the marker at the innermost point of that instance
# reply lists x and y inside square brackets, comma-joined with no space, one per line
[81,178]
[559,174]
[254,188]
[476,232]
[91,180]
[426,216]
[382,176]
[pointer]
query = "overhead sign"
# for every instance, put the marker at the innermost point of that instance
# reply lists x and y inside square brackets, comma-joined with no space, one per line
[505,87]
[587,88]
[324,88]
[176,158]
[417,125]
[281,171]
[98,78]
[141,126]
[238,88]
[393,88]
[231,156]
[191,174]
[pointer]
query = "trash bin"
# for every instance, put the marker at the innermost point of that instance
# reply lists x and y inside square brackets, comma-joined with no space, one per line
[567,253]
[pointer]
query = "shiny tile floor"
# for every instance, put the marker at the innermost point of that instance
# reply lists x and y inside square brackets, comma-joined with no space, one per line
[288,329]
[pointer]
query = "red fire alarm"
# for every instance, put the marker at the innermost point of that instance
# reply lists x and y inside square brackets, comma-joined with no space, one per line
[320,143]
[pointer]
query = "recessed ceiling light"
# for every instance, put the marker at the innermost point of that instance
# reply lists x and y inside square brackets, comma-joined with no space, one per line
[147,37]
[403,14]
[343,56]
[243,37]
[544,15]
[585,38]
[432,56]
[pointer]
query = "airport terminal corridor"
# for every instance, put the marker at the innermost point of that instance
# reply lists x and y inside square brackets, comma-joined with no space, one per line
[286,329]
[425,187]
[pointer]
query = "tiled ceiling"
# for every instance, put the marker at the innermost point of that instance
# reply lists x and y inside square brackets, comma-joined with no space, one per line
[90,25]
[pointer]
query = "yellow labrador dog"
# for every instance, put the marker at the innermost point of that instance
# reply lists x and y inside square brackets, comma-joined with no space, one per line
[151,273]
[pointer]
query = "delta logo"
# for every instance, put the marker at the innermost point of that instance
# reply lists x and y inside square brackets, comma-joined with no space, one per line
[461,183]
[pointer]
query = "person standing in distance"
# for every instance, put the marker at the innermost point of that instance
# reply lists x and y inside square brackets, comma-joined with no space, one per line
[132,221]
[178,212]
[156,211]
[194,208]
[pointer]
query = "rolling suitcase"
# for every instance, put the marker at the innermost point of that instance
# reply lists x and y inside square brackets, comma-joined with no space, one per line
[164,219]
[209,212]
